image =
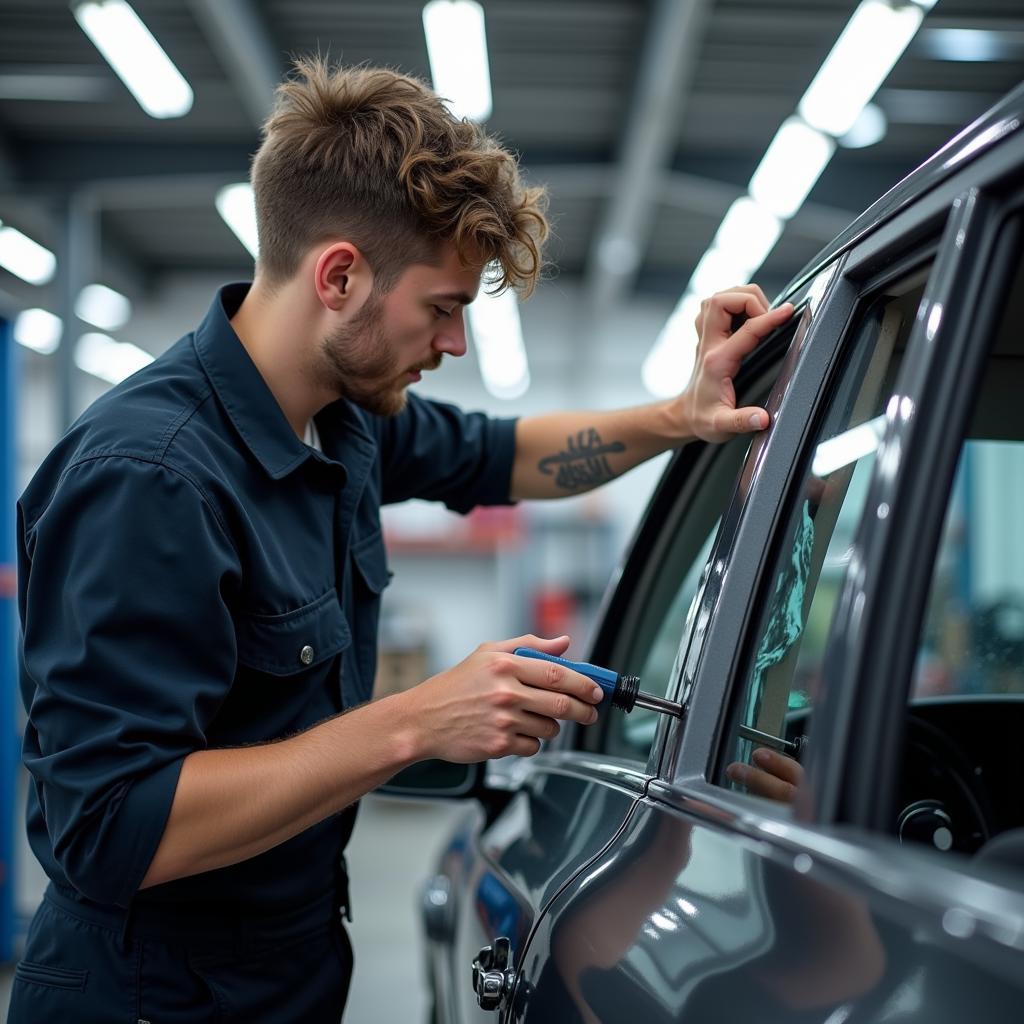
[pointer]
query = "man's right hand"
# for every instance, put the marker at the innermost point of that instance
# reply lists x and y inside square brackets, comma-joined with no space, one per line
[495,703]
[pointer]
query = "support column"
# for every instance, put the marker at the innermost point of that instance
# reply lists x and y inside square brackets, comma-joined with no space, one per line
[77,265]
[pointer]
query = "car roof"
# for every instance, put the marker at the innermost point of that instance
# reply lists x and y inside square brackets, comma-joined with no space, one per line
[1000,121]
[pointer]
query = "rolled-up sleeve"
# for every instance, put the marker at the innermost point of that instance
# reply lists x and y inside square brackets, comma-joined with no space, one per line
[128,650]
[436,451]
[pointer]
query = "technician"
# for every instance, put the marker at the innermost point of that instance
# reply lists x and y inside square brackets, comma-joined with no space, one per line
[201,563]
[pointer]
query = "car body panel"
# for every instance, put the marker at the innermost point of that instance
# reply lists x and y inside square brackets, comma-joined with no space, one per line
[503,873]
[699,913]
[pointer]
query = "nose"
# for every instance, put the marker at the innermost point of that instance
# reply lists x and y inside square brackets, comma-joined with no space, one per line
[451,338]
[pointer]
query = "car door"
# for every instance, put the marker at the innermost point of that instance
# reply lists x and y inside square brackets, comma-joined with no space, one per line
[573,799]
[545,818]
[681,555]
[714,902]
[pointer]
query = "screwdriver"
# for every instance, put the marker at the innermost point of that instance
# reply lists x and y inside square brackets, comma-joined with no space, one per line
[623,691]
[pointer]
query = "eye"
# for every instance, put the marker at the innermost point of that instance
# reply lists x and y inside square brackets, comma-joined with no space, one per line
[440,311]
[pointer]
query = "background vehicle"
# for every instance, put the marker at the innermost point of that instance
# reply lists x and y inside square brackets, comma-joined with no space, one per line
[855,577]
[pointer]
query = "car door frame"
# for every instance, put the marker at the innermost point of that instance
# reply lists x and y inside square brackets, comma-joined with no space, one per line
[895,553]
[840,827]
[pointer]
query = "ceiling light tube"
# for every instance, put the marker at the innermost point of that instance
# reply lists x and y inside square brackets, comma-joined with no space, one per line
[864,54]
[26,258]
[749,230]
[108,359]
[847,447]
[790,167]
[457,48]
[669,365]
[869,128]
[39,330]
[103,307]
[136,57]
[719,269]
[498,337]
[237,206]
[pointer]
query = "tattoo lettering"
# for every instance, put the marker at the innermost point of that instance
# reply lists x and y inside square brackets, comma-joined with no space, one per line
[584,463]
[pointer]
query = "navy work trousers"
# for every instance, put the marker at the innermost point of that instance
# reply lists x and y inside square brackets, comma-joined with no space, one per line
[85,964]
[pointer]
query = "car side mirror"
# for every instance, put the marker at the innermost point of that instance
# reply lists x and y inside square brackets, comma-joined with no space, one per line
[436,779]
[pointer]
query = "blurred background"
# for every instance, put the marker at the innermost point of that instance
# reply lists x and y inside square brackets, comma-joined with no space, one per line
[684,150]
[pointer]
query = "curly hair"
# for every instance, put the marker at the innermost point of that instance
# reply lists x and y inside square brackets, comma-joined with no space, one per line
[374,156]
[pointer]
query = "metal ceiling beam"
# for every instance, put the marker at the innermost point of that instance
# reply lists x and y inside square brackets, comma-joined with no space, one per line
[667,66]
[242,42]
[683,191]
[7,165]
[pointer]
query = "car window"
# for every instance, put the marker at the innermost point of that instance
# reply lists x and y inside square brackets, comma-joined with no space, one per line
[774,704]
[962,774]
[973,636]
[660,614]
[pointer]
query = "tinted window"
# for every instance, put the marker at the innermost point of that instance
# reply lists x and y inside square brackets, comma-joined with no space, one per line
[775,703]
[962,774]
[660,616]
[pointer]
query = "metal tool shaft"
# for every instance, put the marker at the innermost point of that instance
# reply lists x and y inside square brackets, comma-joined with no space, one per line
[652,703]
[791,747]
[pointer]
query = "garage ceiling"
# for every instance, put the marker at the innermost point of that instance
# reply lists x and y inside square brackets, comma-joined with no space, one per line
[645,117]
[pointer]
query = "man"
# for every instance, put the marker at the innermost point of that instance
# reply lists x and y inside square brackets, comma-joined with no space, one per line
[201,562]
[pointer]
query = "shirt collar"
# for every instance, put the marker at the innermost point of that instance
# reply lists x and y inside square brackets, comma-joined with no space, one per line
[244,394]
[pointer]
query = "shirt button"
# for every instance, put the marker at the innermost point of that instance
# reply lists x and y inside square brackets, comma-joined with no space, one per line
[306,655]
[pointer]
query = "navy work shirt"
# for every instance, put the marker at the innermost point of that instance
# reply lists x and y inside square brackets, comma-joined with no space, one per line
[192,575]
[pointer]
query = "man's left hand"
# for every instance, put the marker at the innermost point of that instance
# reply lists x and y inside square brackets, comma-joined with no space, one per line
[709,402]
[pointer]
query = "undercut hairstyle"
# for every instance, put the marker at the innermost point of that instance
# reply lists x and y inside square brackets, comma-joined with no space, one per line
[375,157]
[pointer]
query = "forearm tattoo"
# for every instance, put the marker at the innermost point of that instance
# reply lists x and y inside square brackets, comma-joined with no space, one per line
[584,462]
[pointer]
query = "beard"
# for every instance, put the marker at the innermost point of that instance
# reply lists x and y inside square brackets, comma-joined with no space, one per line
[361,365]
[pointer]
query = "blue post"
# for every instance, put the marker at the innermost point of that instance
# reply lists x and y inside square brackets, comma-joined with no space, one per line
[9,741]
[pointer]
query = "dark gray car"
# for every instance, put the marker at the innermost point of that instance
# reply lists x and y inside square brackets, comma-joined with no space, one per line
[846,591]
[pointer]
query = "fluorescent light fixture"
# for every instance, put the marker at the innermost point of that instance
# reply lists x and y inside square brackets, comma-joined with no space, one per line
[26,258]
[669,365]
[498,337]
[103,307]
[966,44]
[136,57]
[869,128]
[750,231]
[457,48]
[108,359]
[790,167]
[718,269]
[39,330]
[864,54]
[847,447]
[236,204]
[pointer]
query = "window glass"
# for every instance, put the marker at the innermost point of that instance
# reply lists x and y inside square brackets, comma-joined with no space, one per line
[774,705]
[636,730]
[662,617]
[962,773]
[973,636]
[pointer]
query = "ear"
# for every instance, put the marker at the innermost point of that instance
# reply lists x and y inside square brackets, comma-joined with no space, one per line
[343,278]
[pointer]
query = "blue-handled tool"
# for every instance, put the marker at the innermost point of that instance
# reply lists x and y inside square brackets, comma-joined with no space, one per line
[622,691]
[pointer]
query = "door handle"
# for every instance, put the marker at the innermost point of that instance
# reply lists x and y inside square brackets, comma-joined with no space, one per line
[493,979]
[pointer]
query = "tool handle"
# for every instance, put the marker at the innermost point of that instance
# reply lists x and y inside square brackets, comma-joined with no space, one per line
[605,678]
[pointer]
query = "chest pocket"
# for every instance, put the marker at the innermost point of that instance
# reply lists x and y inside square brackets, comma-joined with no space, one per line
[370,577]
[283,645]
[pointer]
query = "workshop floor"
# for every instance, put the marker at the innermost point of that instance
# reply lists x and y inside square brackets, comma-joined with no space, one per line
[393,849]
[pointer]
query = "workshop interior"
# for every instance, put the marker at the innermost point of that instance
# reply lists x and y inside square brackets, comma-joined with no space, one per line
[685,145]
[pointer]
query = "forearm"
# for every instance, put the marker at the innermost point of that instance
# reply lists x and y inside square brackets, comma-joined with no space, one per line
[234,804]
[572,452]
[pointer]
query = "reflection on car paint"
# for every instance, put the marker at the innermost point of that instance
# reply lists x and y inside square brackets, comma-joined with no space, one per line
[498,911]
